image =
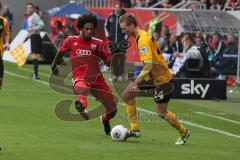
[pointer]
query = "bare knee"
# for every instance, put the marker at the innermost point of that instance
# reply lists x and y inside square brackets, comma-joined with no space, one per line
[128,97]
[162,115]
[161,110]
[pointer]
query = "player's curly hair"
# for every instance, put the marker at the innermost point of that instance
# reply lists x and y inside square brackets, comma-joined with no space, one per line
[87,18]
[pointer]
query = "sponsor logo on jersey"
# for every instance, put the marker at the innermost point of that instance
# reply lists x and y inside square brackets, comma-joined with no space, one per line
[83,52]
[144,50]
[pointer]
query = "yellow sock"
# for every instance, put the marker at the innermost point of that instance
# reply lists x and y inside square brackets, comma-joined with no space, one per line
[173,121]
[132,115]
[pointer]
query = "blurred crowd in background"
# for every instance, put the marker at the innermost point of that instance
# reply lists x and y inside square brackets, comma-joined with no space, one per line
[205,4]
[216,46]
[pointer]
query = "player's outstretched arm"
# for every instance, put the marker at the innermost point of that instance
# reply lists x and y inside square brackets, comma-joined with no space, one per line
[105,55]
[57,58]
[145,71]
[107,61]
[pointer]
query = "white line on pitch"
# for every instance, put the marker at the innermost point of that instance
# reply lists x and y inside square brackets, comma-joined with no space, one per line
[24,77]
[150,112]
[31,71]
[199,126]
[218,117]
[221,113]
[41,73]
[27,90]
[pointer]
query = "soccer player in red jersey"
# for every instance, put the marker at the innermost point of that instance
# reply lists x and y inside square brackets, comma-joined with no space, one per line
[85,52]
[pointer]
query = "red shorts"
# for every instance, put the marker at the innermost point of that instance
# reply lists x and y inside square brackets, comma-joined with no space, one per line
[99,89]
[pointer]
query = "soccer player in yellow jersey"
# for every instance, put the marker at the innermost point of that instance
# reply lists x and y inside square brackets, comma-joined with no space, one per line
[155,70]
[4,43]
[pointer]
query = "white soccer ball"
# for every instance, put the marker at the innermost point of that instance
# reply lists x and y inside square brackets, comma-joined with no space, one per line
[119,133]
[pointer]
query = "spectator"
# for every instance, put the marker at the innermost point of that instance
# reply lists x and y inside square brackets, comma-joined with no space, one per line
[151,2]
[56,29]
[176,48]
[175,44]
[227,63]
[156,36]
[125,3]
[216,45]
[60,37]
[232,5]
[170,3]
[214,65]
[8,15]
[231,47]
[215,5]
[133,3]
[35,24]
[201,4]
[117,43]
[165,31]
[166,47]
[187,42]
[198,37]
[71,27]
[204,4]
[156,23]
[141,3]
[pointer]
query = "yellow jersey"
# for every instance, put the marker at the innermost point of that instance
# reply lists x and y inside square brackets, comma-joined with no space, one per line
[149,49]
[4,31]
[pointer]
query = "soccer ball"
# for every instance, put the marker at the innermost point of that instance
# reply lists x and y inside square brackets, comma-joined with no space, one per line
[119,133]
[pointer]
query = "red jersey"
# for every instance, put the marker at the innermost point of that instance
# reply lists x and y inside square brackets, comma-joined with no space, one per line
[84,57]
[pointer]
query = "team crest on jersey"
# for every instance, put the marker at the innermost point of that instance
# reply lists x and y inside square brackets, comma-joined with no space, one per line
[1,27]
[93,46]
[75,44]
[143,50]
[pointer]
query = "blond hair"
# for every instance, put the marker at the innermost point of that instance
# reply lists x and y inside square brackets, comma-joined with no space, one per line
[128,19]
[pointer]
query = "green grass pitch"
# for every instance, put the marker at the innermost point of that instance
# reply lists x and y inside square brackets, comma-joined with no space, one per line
[30,130]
